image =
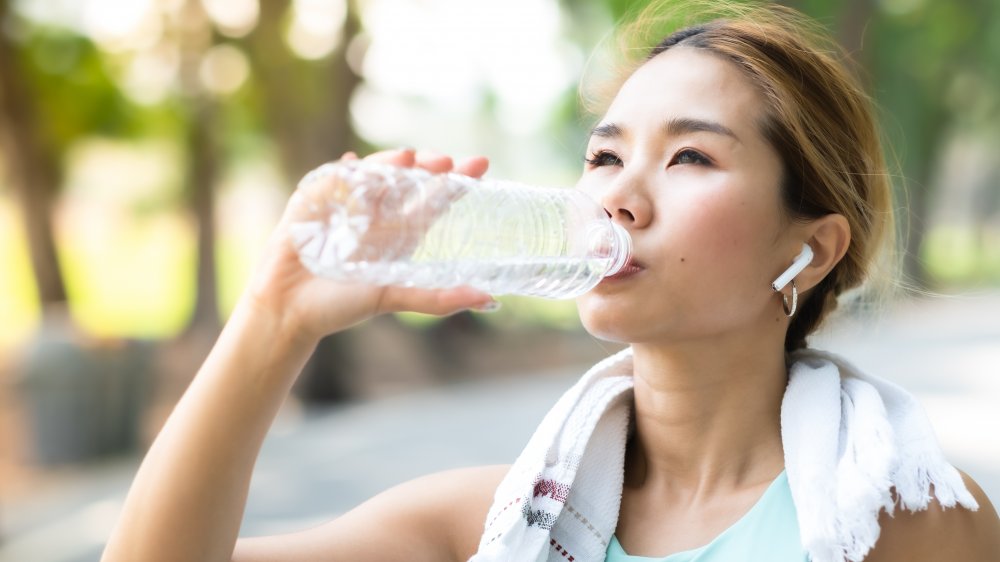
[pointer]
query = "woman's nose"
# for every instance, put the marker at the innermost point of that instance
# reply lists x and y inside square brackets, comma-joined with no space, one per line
[622,214]
[625,203]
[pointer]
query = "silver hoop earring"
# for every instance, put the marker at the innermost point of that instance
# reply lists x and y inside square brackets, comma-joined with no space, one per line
[790,311]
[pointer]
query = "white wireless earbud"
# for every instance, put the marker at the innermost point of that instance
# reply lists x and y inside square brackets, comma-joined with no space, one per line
[801,261]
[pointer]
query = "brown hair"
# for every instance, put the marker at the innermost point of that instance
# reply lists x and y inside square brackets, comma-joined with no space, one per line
[816,116]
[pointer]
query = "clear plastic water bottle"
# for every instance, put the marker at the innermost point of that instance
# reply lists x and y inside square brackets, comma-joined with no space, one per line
[388,225]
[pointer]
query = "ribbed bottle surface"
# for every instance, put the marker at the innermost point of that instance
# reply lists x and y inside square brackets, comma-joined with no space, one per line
[386,225]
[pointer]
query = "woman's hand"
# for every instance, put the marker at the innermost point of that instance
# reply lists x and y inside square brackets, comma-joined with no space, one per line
[311,307]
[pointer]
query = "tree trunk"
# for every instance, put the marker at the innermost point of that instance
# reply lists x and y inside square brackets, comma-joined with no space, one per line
[926,144]
[202,174]
[35,170]
[920,118]
[306,108]
[202,147]
[306,103]
[855,16]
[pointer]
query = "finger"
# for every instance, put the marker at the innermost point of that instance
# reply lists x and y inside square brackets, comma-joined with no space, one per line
[475,166]
[434,162]
[350,155]
[405,157]
[438,302]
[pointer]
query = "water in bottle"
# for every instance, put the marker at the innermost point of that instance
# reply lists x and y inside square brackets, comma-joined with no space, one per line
[386,225]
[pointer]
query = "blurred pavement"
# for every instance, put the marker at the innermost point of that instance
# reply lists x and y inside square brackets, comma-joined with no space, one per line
[314,466]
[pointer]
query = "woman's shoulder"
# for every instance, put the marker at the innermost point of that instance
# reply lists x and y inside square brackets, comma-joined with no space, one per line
[939,533]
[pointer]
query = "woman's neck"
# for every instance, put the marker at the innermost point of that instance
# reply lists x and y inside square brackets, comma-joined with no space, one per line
[707,416]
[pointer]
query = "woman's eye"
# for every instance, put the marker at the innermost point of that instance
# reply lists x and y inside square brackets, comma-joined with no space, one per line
[688,156]
[603,158]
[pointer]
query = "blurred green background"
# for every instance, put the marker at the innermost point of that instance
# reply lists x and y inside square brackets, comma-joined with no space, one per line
[147,148]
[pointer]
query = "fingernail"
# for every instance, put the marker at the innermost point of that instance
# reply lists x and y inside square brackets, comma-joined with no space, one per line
[488,306]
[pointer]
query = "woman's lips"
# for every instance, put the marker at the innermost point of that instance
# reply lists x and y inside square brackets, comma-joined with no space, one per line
[631,268]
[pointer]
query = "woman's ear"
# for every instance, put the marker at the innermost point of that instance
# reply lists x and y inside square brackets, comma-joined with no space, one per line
[828,236]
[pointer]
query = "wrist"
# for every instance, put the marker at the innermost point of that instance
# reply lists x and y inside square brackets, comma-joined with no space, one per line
[285,340]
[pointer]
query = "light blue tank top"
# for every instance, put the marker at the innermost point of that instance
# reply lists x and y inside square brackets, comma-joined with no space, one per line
[769,531]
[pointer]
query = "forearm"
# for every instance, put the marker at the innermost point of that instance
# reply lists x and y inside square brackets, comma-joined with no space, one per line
[187,500]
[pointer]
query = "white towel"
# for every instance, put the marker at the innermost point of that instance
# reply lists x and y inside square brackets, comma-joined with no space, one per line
[849,439]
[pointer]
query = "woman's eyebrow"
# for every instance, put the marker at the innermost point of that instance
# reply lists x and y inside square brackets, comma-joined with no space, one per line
[681,125]
[607,130]
[672,127]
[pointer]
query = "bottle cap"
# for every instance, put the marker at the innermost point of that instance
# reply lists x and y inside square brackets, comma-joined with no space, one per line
[621,249]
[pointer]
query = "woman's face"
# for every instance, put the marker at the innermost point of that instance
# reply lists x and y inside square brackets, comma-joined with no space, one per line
[680,161]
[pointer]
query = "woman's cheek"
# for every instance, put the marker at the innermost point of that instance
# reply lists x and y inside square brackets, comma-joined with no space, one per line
[726,230]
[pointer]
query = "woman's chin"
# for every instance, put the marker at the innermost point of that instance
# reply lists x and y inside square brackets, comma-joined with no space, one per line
[606,325]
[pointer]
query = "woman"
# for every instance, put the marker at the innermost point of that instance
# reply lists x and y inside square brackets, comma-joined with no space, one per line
[727,149]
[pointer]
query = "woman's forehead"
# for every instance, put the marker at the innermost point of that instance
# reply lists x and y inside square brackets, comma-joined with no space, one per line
[685,82]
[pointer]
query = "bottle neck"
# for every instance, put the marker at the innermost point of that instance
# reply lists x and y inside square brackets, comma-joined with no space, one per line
[621,250]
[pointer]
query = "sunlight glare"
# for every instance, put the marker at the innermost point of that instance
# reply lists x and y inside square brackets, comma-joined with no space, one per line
[233,18]
[451,52]
[151,74]
[57,13]
[224,68]
[122,24]
[316,28]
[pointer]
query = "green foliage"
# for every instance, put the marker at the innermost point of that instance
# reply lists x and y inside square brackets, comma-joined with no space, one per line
[75,94]
[957,256]
[623,8]
[933,68]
